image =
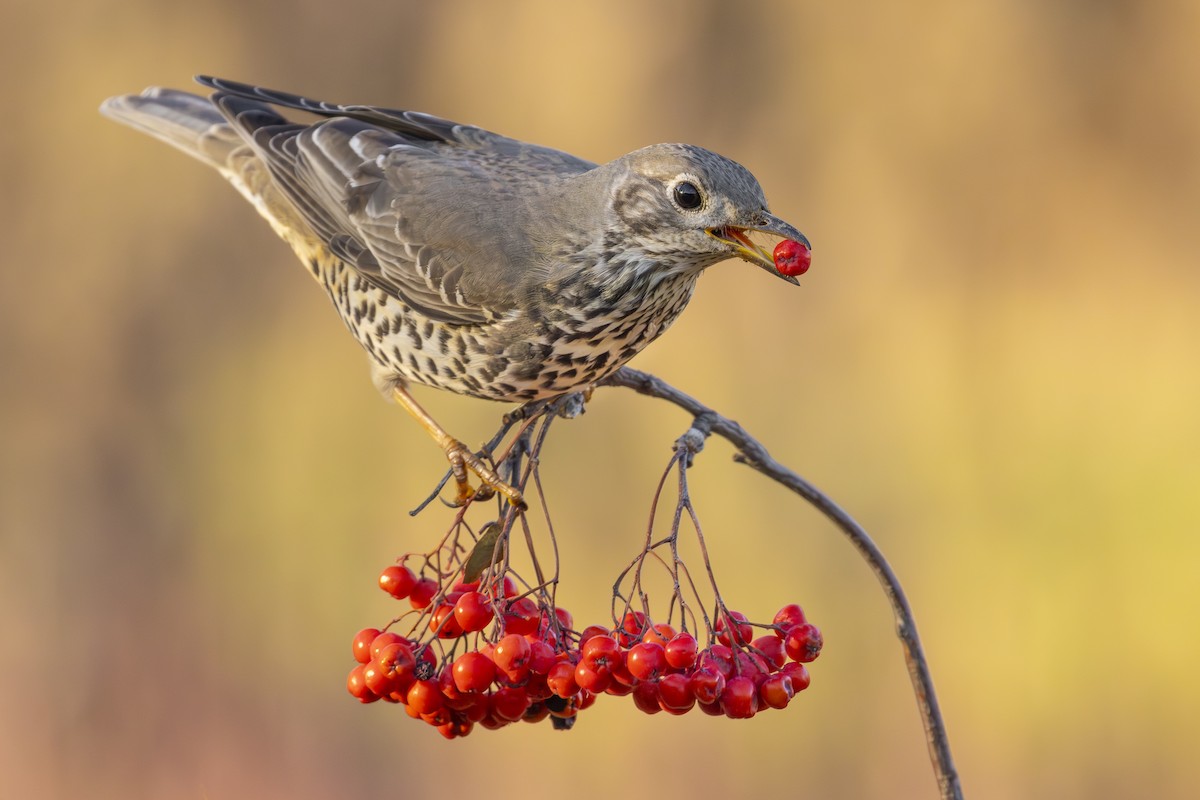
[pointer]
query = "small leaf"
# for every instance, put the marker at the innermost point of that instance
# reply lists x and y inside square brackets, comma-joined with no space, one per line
[481,556]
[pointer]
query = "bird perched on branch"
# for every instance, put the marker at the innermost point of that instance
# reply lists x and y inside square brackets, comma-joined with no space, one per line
[465,260]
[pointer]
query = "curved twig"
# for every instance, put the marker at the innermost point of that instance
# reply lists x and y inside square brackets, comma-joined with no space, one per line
[751,452]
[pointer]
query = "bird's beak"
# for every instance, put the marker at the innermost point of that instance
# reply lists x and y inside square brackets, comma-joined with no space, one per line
[749,250]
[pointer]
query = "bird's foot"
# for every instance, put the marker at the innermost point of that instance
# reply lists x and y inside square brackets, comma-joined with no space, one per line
[463,460]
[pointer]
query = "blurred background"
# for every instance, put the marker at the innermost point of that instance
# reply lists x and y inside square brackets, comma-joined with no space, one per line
[992,364]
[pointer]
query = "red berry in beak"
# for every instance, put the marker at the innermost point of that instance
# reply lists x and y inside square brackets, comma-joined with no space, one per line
[792,257]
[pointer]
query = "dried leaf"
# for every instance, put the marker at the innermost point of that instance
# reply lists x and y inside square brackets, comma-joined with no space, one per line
[481,556]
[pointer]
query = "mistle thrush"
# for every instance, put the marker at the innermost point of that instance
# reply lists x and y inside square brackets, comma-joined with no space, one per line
[465,260]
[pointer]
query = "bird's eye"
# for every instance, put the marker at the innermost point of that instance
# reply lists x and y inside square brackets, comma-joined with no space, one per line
[687,195]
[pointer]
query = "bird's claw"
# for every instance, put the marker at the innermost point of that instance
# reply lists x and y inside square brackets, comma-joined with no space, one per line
[463,460]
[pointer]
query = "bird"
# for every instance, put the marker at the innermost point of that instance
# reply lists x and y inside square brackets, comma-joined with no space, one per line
[465,260]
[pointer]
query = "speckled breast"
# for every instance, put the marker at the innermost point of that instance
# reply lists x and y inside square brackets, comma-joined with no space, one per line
[512,359]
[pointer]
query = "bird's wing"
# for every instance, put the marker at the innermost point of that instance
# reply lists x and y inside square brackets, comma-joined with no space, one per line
[422,207]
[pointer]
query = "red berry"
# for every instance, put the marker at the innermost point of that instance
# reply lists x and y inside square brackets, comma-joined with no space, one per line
[454,699]
[561,679]
[505,588]
[618,689]
[425,697]
[473,672]
[536,687]
[439,716]
[473,612]
[522,616]
[492,722]
[593,678]
[792,257]
[511,656]
[707,684]
[397,656]
[455,730]
[788,617]
[622,678]
[645,697]
[541,657]
[357,686]
[799,675]
[740,698]
[752,665]
[398,581]
[477,708]
[660,633]
[383,640]
[378,679]
[680,651]
[742,631]
[509,703]
[776,691]
[803,642]
[601,651]
[536,713]
[674,693]
[362,644]
[444,623]
[590,631]
[396,663]
[646,660]
[632,627]
[422,593]
[719,657]
[565,620]
[771,648]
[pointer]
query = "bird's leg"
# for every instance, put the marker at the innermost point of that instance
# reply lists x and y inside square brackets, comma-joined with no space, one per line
[461,458]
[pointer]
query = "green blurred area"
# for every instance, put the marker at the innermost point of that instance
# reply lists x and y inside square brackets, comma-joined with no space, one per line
[992,364]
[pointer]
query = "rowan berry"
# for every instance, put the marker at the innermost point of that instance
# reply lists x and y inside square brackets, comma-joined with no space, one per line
[674,693]
[776,691]
[511,656]
[742,633]
[473,611]
[646,660]
[740,698]
[803,642]
[422,593]
[473,672]
[397,580]
[771,648]
[357,686]
[425,697]
[522,616]
[788,617]
[362,644]
[792,257]
[681,651]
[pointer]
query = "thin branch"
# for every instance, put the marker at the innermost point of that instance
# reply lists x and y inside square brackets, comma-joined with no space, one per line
[752,453]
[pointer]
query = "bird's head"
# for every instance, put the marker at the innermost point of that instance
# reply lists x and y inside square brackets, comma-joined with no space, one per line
[688,208]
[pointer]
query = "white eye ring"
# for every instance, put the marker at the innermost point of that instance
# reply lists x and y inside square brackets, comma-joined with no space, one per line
[686,193]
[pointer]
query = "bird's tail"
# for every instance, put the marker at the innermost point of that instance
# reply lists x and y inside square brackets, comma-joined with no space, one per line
[195,125]
[186,121]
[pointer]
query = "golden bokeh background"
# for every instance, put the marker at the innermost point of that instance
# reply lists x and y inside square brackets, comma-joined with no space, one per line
[992,364]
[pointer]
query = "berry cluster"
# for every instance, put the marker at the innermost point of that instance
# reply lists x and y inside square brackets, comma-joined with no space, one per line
[522,659]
